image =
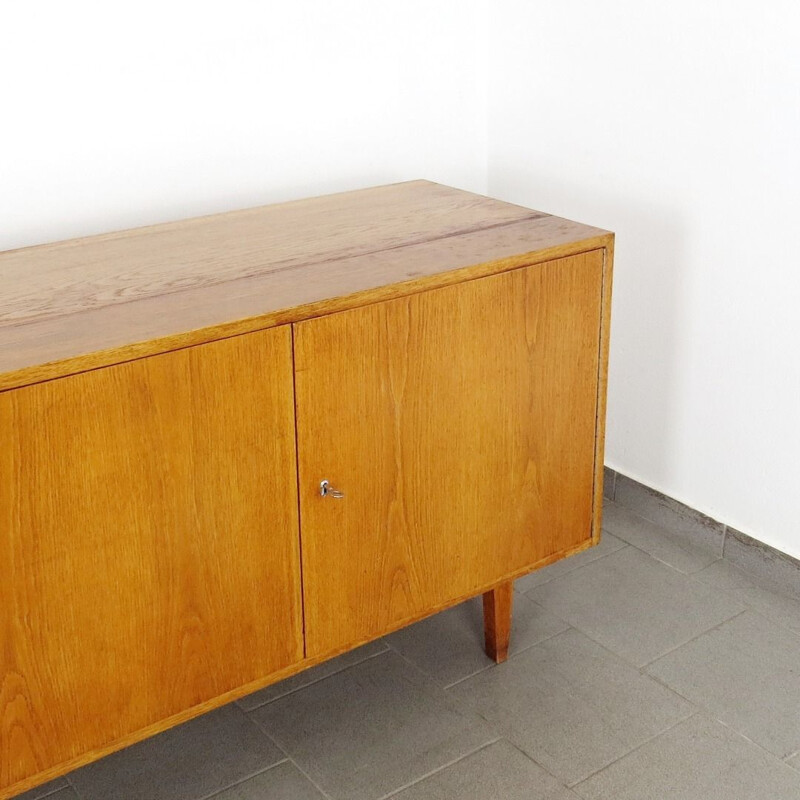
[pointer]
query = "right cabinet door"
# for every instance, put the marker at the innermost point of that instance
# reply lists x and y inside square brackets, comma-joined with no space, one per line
[459,423]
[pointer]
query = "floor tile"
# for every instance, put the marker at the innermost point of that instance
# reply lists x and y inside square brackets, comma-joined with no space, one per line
[449,646]
[499,771]
[676,551]
[702,531]
[697,760]
[634,605]
[55,790]
[372,728]
[609,476]
[282,782]
[775,606]
[571,705]
[62,794]
[330,667]
[746,673]
[194,760]
[608,544]
[763,562]
[48,790]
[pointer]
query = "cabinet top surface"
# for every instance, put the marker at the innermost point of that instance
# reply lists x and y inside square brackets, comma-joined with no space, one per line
[84,303]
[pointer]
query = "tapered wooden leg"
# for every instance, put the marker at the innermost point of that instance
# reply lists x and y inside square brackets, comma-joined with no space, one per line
[497,620]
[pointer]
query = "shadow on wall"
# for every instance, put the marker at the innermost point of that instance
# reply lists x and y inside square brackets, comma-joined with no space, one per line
[648,320]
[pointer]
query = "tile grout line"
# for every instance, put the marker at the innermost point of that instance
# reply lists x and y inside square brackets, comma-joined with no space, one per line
[414,666]
[510,655]
[533,760]
[604,647]
[725,539]
[695,709]
[448,698]
[698,711]
[429,683]
[289,759]
[630,752]
[239,782]
[671,566]
[433,772]
[727,531]
[756,580]
[676,539]
[642,670]
[624,659]
[693,639]
[673,540]
[310,779]
[737,732]
[785,629]
[718,551]
[749,606]
[57,790]
[428,680]
[314,682]
[431,677]
[636,667]
[711,714]
[272,739]
[689,576]
[760,583]
[579,567]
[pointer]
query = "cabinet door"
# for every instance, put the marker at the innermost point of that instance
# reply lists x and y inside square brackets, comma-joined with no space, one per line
[149,552]
[460,425]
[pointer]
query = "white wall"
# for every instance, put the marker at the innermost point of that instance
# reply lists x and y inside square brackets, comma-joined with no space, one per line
[121,115]
[677,125]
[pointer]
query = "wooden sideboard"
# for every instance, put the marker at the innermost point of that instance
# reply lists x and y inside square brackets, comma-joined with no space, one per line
[182,405]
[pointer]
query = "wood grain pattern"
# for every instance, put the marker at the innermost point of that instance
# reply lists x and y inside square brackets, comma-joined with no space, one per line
[460,423]
[497,610]
[149,552]
[151,566]
[241,691]
[128,265]
[602,388]
[93,302]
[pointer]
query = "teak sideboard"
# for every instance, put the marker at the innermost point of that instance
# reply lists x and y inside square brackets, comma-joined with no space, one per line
[238,445]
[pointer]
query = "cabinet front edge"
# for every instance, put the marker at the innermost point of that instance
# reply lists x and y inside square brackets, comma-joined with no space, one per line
[85,362]
[602,388]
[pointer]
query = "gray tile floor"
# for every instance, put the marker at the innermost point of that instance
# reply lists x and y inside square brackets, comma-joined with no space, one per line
[646,668]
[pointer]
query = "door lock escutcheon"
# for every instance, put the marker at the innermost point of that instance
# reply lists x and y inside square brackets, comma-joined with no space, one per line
[326,490]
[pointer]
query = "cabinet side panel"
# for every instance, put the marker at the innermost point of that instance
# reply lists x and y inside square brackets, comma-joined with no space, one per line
[460,424]
[602,389]
[149,556]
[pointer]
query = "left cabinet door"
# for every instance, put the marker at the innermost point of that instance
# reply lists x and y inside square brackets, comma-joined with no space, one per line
[149,547]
